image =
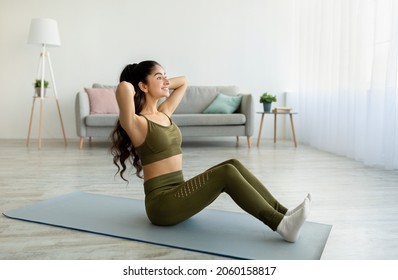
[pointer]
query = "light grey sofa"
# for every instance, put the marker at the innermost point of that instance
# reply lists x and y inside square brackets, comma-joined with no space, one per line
[188,116]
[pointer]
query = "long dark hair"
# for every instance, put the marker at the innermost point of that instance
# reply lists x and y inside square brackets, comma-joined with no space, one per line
[122,148]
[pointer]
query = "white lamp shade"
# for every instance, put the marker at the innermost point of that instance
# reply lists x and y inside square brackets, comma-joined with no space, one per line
[44,31]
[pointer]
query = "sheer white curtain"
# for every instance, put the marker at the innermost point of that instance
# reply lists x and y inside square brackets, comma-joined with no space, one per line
[347,52]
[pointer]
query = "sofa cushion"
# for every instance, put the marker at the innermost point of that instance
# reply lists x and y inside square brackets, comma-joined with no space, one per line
[208,119]
[224,104]
[101,119]
[102,101]
[98,85]
[198,98]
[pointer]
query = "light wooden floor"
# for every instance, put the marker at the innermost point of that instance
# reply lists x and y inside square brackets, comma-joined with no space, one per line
[360,202]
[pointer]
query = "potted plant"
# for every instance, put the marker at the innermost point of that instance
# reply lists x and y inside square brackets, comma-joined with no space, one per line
[267,99]
[37,86]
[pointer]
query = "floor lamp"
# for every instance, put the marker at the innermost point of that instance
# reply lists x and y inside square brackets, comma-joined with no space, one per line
[44,32]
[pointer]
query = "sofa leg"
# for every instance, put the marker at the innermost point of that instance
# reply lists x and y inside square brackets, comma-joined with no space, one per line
[90,141]
[237,141]
[81,143]
[249,141]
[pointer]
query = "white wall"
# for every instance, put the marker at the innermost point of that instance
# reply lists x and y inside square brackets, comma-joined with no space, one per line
[214,42]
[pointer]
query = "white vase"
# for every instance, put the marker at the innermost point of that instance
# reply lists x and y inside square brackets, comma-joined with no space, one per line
[38,92]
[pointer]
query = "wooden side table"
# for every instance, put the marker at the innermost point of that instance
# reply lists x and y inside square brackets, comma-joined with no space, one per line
[275,117]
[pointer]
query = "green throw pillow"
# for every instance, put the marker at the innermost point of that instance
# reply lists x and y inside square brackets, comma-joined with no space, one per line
[224,104]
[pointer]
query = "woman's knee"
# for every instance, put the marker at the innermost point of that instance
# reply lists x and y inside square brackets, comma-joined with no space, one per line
[228,170]
[233,161]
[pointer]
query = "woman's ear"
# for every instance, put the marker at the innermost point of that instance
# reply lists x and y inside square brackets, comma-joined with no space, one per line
[143,87]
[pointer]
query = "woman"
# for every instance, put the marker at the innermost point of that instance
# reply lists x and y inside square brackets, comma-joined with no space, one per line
[146,136]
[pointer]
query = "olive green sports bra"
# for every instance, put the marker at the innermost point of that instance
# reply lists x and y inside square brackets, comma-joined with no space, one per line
[161,142]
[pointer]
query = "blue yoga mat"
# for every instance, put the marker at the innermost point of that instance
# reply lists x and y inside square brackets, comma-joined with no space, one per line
[223,233]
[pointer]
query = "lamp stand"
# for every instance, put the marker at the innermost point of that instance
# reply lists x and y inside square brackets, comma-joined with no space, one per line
[44,56]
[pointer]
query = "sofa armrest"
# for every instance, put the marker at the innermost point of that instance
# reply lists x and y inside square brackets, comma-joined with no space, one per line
[82,109]
[247,108]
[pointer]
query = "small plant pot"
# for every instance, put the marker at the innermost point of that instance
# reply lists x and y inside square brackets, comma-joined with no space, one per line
[267,106]
[38,92]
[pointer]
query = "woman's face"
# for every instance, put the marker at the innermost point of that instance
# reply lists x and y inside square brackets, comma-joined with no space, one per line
[158,84]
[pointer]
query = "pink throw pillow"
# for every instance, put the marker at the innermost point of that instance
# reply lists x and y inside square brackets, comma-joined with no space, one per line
[102,101]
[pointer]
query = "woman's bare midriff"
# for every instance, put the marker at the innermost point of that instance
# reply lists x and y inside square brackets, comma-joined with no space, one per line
[164,166]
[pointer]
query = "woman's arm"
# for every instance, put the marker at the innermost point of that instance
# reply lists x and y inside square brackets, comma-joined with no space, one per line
[179,86]
[125,100]
[130,122]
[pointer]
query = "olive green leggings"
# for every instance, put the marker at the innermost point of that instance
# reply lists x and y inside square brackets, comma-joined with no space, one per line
[170,200]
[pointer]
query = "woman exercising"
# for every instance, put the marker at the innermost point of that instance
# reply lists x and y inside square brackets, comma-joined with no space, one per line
[146,137]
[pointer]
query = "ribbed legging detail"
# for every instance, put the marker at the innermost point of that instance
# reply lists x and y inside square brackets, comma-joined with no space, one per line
[171,200]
